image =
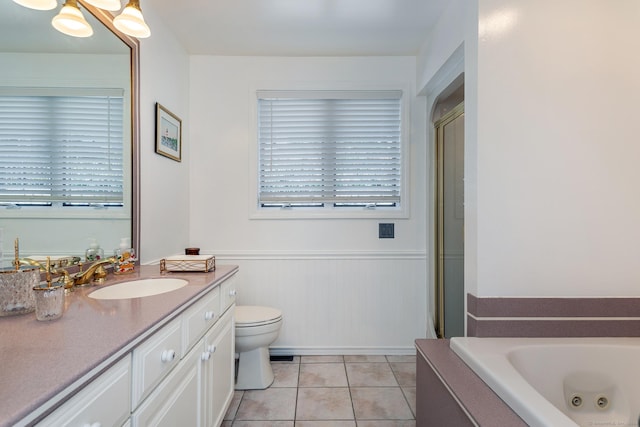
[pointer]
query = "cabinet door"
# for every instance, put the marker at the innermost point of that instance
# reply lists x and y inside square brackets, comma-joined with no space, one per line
[104,402]
[175,402]
[218,370]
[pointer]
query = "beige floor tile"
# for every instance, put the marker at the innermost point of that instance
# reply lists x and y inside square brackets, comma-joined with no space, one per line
[405,373]
[370,375]
[233,407]
[263,424]
[395,423]
[402,359]
[364,358]
[286,374]
[269,404]
[380,403]
[410,395]
[321,359]
[333,423]
[324,404]
[323,375]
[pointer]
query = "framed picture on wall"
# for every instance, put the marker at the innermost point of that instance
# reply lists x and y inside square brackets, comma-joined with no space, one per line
[168,133]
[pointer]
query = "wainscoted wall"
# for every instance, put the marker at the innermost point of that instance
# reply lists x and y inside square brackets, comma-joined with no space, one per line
[553,317]
[338,303]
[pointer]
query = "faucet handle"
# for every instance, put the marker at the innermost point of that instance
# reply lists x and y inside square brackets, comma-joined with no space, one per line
[100,275]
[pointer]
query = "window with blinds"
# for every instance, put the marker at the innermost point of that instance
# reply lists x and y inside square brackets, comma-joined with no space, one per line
[61,149]
[336,148]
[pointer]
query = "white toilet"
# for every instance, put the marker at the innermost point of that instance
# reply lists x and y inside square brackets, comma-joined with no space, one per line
[256,328]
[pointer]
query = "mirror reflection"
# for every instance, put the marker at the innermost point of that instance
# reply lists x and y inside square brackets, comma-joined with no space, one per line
[65,136]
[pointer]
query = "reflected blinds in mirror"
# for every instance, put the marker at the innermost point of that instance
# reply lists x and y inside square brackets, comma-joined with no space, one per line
[61,146]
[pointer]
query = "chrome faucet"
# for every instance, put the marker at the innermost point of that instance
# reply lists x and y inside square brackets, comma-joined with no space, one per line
[95,272]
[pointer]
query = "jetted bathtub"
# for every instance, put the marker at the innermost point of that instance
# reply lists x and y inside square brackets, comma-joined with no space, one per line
[560,382]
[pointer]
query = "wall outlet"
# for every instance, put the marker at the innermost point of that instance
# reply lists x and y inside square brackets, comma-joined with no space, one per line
[386,231]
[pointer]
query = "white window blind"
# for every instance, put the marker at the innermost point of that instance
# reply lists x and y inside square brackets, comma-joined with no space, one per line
[61,148]
[338,147]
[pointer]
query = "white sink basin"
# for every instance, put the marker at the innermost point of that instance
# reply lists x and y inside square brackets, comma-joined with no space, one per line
[138,288]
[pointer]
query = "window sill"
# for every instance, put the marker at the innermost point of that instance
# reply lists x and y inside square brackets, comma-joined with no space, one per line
[342,213]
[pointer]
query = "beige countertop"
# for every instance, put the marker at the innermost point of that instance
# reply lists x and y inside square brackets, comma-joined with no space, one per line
[44,363]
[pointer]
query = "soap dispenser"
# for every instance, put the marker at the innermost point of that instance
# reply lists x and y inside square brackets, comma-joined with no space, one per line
[125,257]
[95,252]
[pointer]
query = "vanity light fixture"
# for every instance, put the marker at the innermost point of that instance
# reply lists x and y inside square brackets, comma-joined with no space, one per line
[131,21]
[111,5]
[70,20]
[38,4]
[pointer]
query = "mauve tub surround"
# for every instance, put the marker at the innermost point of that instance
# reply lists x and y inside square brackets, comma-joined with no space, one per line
[450,394]
[553,316]
[560,382]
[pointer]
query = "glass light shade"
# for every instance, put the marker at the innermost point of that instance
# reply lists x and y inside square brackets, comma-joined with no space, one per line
[38,4]
[71,22]
[131,21]
[105,4]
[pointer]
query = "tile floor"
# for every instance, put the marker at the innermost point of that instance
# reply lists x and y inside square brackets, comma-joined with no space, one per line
[331,391]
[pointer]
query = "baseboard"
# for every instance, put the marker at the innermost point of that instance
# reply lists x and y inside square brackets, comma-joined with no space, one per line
[333,351]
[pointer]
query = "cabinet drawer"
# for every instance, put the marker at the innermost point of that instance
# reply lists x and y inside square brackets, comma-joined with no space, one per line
[175,401]
[228,292]
[154,359]
[200,317]
[105,401]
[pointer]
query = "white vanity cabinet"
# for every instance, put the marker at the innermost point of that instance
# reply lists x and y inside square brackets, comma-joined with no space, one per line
[182,374]
[104,402]
[199,389]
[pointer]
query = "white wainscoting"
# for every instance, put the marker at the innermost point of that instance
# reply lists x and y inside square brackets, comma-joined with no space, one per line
[338,303]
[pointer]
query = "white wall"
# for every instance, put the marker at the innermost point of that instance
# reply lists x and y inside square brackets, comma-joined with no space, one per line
[222,93]
[557,151]
[164,76]
[445,38]
[337,267]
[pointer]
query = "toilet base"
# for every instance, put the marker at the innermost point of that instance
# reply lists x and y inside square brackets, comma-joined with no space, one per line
[254,370]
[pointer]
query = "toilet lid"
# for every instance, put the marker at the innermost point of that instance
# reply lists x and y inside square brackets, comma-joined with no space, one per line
[253,314]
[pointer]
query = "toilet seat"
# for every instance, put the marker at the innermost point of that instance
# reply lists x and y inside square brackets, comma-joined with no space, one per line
[248,316]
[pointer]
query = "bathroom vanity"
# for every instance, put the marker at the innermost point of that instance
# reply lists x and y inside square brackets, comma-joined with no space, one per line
[164,359]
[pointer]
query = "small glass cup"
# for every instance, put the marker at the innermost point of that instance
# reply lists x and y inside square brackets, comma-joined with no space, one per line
[49,302]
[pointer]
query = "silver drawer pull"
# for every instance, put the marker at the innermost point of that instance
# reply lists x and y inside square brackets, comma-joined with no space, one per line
[211,348]
[205,356]
[209,315]
[232,293]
